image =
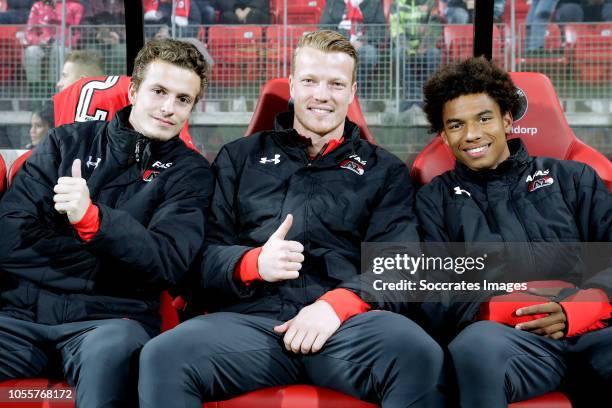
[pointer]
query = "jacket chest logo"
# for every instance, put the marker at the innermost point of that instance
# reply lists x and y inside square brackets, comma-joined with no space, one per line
[459,191]
[355,164]
[539,179]
[160,165]
[150,174]
[275,160]
[91,163]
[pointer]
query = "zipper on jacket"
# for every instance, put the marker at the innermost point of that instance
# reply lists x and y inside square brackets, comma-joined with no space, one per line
[318,155]
[530,258]
[306,244]
[137,149]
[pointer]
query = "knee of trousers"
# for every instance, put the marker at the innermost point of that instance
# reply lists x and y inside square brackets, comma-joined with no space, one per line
[479,343]
[410,346]
[173,352]
[114,342]
[162,354]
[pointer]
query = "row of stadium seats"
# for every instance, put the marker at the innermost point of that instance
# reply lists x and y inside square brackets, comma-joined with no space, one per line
[544,130]
[245,53]
[587,48]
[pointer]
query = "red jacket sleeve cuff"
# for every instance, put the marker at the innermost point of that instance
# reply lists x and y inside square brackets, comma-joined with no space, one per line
[345,303]
[89,225]
[502,309]
[586,311]
[247,270]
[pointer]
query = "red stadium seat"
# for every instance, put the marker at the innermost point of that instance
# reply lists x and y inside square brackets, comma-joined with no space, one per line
[278,51]
[542,127]
[238,52]
[2,175]
[292,396]
[274,98]
[553,58]
[298,11]
[458,43]
[591,49]
[550,400]
[17,165]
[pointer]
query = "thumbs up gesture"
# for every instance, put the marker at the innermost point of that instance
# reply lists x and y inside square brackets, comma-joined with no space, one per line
[280,259]
[72,195]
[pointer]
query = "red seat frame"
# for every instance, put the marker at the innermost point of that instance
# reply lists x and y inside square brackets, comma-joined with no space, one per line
[3,182]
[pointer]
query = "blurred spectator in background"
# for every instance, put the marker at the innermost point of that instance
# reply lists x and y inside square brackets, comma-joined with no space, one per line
[538,17]
[363,23]
[456,11]
[203,12]
[79,64]
[415,29]
[583,10]
[187,12]
[498,10]
[15,11]
[40,123]
[104,12]
[244,11]
[42,35]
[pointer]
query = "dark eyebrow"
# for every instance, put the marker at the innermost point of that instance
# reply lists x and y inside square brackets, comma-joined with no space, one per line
[479,114]
[453,120]
[166,90]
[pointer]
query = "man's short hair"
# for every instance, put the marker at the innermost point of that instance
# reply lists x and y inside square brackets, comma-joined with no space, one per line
[471,76]
[175,52]
[327,41]
[88,63]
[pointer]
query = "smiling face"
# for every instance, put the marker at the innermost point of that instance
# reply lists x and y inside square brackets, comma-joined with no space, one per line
[322,89]
[475,130]
[163,102]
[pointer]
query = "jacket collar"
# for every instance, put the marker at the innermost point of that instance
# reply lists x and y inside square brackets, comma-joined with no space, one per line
[124,138]
[295,145]
[509,168]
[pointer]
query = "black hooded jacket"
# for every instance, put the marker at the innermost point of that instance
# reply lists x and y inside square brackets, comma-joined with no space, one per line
[355,193]
[152,198]
[532,200]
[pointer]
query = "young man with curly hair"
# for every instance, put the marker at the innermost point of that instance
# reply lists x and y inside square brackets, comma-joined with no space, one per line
[510,347]
[100,220]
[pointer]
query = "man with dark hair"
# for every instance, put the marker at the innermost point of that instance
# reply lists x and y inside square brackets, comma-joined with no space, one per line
[511,347]
[100,220]
[290,210]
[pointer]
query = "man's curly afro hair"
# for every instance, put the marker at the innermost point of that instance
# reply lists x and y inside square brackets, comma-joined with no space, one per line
[471,76]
